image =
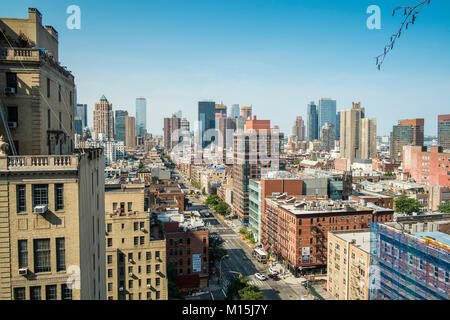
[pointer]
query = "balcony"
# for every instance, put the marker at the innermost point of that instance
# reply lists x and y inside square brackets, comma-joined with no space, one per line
[19,54]
[38,163]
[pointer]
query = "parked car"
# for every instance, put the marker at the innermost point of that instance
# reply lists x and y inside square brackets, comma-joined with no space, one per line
[274,276]
[260,276]
[272,270]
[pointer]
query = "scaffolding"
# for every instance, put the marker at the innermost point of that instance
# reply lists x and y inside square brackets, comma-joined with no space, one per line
[407,267]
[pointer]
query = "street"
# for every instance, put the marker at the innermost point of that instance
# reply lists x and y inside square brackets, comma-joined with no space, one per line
[240,260]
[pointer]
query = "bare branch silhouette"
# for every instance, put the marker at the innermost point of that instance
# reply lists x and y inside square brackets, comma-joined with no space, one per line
[410,13]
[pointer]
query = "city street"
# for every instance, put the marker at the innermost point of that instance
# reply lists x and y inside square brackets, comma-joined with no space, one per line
[240,260]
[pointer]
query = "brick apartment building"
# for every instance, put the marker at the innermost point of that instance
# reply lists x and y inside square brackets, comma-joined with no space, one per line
[297,231]
[432,168]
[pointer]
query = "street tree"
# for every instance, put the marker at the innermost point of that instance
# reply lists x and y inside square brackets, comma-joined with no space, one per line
[404,204]
[445,207]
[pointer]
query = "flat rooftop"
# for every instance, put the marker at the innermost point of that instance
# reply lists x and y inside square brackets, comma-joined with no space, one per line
[362,238]
[435,235]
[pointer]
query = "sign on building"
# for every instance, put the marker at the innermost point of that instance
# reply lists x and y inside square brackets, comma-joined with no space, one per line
[196,263]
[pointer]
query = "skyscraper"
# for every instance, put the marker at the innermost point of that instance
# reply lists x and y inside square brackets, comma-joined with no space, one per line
[104,119]
[171,132]
[120,133]
[337,128]
[206,118]
[327,136]
[417,126]
[407,132]
[235,111]
[251,160]
[246,112]
[312,122]
[130,132]
[327,112]
[358,135]
[298,129]
[141,116]
[444,131]
[81,114]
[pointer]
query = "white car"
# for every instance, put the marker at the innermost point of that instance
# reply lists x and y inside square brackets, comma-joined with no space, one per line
[260,276]
[272,271]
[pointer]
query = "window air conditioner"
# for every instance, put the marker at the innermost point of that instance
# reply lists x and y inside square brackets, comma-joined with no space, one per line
[23,271]
[130,274]
[10,90]
[40,209]
[142,229]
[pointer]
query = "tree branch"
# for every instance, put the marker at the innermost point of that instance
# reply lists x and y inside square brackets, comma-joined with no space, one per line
[410,13]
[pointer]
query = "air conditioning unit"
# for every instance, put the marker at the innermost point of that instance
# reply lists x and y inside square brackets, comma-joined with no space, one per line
[10,90]
[149,286]
[40,209]
[130,260]
[142,229]
[12,124]
[130,274]
[121,289]
[23,271]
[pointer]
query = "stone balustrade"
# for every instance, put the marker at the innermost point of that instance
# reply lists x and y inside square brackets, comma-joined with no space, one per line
[42,162]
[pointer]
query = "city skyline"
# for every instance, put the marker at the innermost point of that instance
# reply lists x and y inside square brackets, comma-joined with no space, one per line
[269,67]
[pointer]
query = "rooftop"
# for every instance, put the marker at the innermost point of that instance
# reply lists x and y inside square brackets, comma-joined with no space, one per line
[436,235]
[361,238]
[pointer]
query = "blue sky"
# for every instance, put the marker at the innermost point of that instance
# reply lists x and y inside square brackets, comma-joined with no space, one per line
[276,55]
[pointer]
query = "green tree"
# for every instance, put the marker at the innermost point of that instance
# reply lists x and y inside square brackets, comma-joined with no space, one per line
[404,204]
[243,230]
[445,207]
[250,293]
[172,285]
[216,250]
[234,287]
[212,200]
[222,208]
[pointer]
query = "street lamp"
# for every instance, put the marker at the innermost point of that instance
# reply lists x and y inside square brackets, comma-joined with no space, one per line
[220,265]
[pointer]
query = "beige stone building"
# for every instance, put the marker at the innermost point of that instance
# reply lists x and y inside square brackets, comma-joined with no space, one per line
[358,134]
[130,132]
[36,91]
[52,199]
[103,119]
[135,249]
[51,227]
[348,263]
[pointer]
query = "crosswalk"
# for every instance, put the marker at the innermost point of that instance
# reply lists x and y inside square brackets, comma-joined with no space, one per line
[256,282]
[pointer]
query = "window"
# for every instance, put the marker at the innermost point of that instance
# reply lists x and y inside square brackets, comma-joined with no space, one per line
[35,293]
[19,294]
[40,194]
[12,114]
[141,225]
[11,80]
[42,255]
[48,87]
[135,226]
[49,123]
[142,240]
[148,255]
[109,227]
[136,241]
[130,205]
[109,242]
[110,273]
[50,292]
[59,93]
[158,295]
[60,254]
[188,241]
[157,281]
[130,256]
[149,269]
[60,120]
[130,284]
[23,254]
[66,292]
[110,287]
[59,196]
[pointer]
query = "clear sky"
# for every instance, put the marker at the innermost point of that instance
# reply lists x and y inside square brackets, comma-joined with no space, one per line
[276,55]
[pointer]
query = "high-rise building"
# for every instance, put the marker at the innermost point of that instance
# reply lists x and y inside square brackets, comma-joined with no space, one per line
[400,136]
[246,113]
[141,116]
[81,114]
[185,125]
[417,126]
[52,217]
[135,249]
[130,132]
[327,136]
[298,129]
[251,160]
[312,122]
[235,111]
[444,131]
[104,119]
[171,132]
[358,135]
[226,128]
[206,118]
[337,128]
[120,133]
[326,112]
[368,138]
